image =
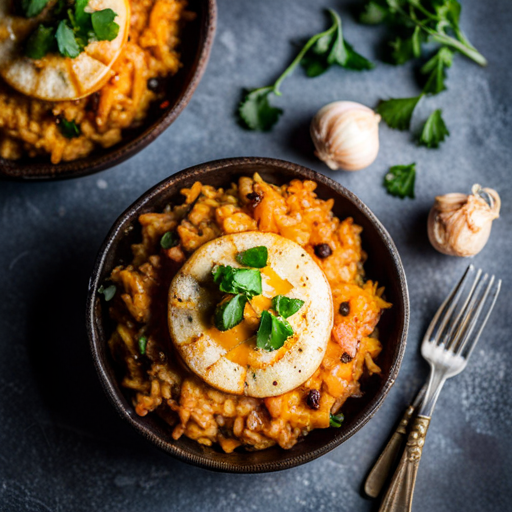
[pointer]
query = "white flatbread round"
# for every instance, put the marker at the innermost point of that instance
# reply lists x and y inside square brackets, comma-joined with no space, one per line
[54,77]
[230,360]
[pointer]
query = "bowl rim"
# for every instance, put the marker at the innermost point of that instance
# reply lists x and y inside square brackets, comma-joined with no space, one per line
[121,152]
[95,341]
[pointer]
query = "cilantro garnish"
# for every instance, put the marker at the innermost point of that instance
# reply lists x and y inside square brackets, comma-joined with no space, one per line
[434,131]
[273,332]
[238,280]
[108,292]
[104,26]
[40,42]
[69,129]
[68,46]
[32,8]
[399,181]
[435,68]
[230,313]
[169,240]
[397,112]
[142,342]
[73,29]
[335,420]
[319,53]
[255,257]
[437,21]
[285,306]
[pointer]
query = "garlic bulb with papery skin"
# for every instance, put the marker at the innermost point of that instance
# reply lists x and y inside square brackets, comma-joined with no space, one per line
[346,135]
[460,224]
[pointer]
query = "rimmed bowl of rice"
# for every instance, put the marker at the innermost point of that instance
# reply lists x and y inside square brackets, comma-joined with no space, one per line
[149,381]
[164,55]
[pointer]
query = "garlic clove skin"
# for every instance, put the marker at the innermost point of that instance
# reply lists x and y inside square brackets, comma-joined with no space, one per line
[460,224]
[346,135]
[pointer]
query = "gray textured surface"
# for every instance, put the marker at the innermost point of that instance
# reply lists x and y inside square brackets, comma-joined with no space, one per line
[62,448]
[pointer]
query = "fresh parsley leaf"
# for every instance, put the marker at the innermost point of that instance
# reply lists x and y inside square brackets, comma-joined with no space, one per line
[40,42]
[238,280]
[230,313]
[397,112]
[108,292]
[32,8]
[272,332]
[68,46]
[331,49]
[435,68]
[373,14]
[355,61]
[69,129]
[399,181]
[255,257]
[403,50]
[335,420]
[82,18]
[256,112]
[285,306]
[143,343]
[169,240]
[104,26]
[434,131]
[265,331]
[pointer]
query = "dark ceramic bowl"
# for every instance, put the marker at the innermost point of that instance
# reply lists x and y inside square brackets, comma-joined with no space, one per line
[383,265]
[196,44]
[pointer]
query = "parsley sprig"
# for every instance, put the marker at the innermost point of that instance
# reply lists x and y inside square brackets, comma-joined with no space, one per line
[420,22]
[320,52]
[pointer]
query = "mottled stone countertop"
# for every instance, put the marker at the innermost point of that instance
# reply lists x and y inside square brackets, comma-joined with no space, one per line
[62,446]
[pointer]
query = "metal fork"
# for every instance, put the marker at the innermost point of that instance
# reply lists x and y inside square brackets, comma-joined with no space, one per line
[447,346]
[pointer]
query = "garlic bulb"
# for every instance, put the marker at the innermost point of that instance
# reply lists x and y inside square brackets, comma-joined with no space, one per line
[346,135]
[460,224]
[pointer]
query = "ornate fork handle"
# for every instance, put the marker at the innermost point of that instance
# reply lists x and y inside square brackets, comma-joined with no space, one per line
[387,459]
[398,497]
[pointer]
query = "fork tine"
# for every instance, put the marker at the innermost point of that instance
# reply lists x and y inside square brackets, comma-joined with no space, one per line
[446,309]
[469,315]
[469,346]
[463,316]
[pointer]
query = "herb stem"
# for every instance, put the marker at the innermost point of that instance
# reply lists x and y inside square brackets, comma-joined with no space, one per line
[469,52]
[462,47]
[301,55]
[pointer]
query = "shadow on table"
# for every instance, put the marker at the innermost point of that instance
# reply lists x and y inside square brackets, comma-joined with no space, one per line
[60,357]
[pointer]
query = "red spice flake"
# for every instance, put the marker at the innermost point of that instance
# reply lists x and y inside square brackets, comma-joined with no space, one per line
[164,104]
[344,334]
